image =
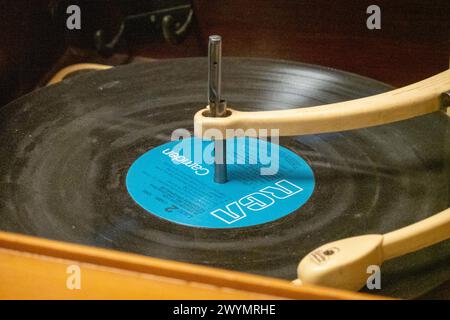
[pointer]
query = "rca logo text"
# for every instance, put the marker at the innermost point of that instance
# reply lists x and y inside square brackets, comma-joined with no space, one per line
[256,201]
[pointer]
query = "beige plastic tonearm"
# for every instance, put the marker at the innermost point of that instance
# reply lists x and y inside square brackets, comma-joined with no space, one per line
[414,100]
[343,264]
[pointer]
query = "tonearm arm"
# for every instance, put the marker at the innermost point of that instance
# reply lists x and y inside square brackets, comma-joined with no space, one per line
[404,103]
[343,264]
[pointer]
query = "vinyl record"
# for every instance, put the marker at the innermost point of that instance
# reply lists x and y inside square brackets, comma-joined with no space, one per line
[67,148]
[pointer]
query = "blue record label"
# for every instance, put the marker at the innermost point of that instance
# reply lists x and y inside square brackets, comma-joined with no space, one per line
[175,182]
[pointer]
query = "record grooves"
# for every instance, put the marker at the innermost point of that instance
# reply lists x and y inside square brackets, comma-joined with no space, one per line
[67,150]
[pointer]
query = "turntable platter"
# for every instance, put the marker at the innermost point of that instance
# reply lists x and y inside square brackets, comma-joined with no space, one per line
[66,150]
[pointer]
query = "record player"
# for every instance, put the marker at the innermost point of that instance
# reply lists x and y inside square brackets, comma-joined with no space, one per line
[88,164]
[225,178]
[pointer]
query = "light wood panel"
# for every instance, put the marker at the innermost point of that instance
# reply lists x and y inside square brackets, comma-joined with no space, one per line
[36,268]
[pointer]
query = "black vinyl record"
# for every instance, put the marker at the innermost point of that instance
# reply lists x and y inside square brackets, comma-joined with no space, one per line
[66,150]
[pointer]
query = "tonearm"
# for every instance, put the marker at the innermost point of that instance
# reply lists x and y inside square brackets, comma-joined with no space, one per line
[343,263]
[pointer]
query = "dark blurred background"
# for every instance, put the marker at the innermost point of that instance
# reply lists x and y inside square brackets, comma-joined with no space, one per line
[412,44]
